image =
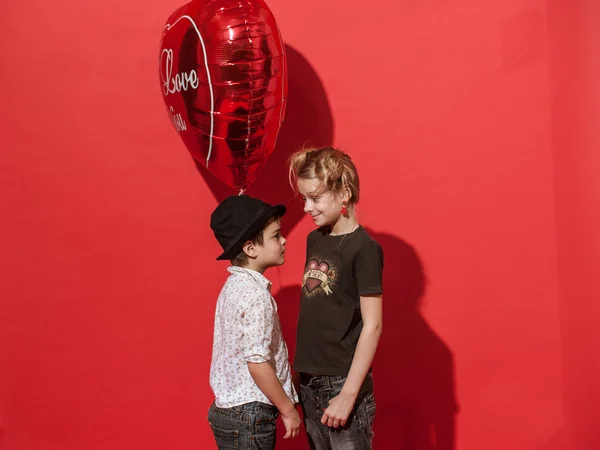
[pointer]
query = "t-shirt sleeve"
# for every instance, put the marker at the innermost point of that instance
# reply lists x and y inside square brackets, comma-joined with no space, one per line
[256,315]
[368,270]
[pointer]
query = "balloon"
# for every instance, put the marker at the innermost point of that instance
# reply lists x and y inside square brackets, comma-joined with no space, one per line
[224,82]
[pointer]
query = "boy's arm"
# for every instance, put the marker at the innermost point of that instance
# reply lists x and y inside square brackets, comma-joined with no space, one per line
[258,317]
[265,378]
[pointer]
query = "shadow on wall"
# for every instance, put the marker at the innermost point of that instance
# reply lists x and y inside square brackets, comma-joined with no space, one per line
[413,369]
[308,120]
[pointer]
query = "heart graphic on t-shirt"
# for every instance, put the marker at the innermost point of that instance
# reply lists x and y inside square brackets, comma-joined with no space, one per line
[312,282]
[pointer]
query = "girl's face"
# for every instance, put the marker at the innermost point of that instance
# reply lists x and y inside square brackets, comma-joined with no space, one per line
[323,206]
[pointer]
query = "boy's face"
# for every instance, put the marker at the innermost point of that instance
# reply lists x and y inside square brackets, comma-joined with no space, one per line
[271,253]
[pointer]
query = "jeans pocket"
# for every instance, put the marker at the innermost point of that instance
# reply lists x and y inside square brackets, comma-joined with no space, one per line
[371,408]
[265,424]
[310,403]
[226,439]
[264,441]
[303,392]
[305,396]
[336,386]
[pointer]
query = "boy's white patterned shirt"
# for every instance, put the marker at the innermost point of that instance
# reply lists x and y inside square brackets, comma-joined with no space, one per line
[247,329]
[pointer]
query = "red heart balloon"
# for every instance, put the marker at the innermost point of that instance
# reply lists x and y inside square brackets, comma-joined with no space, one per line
[224,82]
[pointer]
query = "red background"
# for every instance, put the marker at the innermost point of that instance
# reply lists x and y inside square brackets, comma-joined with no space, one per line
[474,126]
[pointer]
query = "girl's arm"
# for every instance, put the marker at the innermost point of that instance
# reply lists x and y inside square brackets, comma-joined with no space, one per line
[340,407]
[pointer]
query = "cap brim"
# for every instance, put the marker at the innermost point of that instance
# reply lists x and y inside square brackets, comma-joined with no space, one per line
[254,227]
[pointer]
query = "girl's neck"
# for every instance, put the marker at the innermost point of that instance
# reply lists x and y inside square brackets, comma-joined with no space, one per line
[344,225]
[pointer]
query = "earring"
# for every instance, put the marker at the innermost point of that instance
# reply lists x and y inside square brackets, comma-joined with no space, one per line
[344,209]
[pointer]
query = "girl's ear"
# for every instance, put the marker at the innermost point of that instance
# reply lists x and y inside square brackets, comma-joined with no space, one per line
[347,194]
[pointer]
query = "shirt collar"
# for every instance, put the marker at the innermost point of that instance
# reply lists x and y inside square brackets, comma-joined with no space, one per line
[257,276]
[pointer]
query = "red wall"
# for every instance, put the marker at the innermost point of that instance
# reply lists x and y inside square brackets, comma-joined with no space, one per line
[575,91]
[455,113]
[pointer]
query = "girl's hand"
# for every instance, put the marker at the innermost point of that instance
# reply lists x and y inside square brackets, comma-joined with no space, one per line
[339,409]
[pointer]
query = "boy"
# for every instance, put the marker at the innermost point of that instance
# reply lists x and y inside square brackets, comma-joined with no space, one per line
[250,372]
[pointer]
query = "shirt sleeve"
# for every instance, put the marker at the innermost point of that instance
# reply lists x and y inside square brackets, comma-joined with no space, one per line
[256,314]
[368,270]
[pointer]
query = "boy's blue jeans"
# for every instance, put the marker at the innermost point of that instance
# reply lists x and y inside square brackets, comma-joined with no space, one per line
[357,434]
[245,427]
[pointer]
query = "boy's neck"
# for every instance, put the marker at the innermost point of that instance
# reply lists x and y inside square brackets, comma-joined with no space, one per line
[253,266]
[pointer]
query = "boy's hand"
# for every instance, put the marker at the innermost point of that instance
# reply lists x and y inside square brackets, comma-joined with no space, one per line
[266,380]
[337,412]
[292,422]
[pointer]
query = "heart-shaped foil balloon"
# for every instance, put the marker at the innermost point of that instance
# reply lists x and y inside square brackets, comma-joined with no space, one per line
[224,82]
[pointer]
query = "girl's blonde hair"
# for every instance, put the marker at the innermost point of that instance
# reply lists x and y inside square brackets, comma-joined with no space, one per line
[330,166]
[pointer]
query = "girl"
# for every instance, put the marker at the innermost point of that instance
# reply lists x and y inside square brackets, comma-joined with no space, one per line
[340,309]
